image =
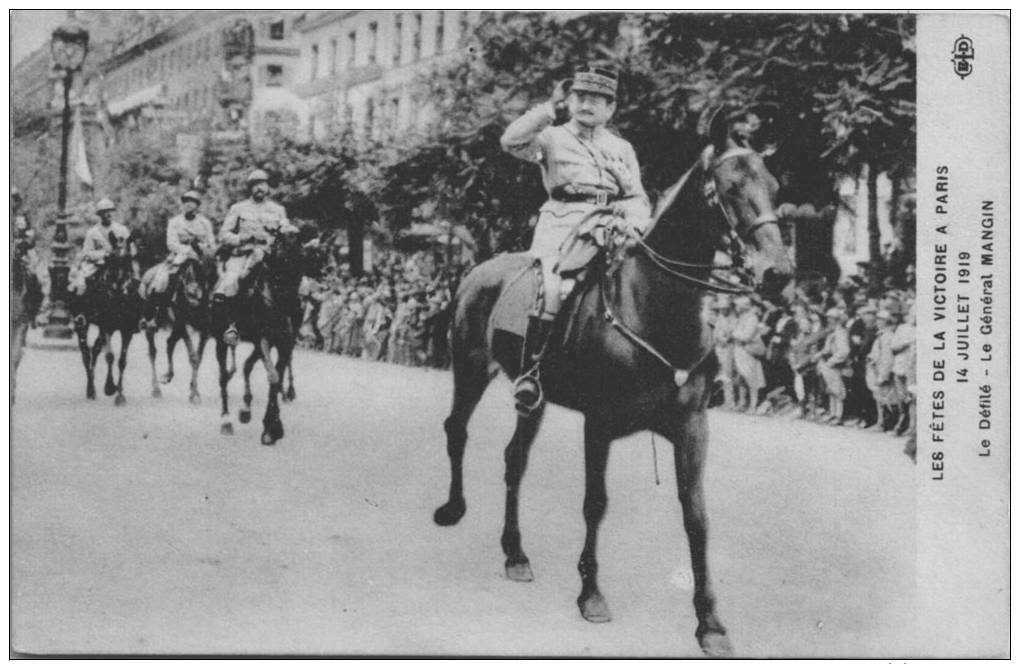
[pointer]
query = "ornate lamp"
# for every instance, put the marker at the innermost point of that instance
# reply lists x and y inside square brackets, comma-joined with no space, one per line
[69,45]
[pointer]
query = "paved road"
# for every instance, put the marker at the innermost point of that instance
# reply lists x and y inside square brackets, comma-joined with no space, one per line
[141,529]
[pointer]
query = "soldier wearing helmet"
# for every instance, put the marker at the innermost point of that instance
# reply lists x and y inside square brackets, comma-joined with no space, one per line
[246,233]
[593,181]
[98,246]
[189,235]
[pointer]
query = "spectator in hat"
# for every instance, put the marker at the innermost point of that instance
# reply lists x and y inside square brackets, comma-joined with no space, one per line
[903,369]
[879,370]
[834,363]
[748,349]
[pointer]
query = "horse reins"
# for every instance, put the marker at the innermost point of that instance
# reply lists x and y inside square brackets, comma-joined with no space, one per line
[669,265]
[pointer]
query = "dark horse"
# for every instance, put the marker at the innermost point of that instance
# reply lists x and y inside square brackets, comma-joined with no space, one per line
[26,300]
[186,310]
[265,316]
[112,304]
[632,354]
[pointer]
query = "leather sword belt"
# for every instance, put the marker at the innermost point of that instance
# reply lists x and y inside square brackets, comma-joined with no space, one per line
[601,198]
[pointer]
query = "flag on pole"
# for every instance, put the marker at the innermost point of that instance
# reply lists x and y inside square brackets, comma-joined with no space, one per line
[78,151]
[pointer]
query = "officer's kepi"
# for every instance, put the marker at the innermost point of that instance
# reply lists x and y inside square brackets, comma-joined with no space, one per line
[598,80]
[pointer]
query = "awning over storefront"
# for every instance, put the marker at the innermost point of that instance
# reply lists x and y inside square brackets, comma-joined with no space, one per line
[150,95]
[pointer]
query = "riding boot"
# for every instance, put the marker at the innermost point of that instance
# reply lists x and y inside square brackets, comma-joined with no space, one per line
[527,388]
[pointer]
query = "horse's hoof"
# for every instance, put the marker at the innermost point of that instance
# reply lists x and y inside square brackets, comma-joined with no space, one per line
[594,608]
[166,378]
[290,394]
[450,513]
[267,438]
[244,416]
[275,429]
[195,399]
[519,571]
[156,393]
[90,393]
[109,389]
[120,400]
[227,429]
[716,644]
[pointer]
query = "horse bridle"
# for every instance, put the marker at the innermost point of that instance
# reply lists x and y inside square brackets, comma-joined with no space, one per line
[674,267]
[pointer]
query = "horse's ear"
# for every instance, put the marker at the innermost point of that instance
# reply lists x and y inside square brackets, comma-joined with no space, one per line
[766,123]
[715,126]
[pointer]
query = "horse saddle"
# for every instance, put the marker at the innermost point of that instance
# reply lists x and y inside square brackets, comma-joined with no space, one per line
[519,298]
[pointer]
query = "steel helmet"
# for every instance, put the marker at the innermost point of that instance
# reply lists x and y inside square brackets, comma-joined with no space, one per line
[104,205]
[258,175]
[191,195]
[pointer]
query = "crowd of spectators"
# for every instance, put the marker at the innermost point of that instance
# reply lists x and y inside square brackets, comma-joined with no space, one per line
[835,356]
[398,311]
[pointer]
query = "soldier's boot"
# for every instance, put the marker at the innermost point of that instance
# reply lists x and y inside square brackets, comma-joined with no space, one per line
[527,389]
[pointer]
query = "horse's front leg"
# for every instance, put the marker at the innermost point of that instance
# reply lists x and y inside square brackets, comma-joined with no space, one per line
[171,343]
[226,426]
[82,332]
[689,434]
[125,343]
[109,387]
[518,567]
[290,394]
[244,415]
[596,454]
[196,363]
[150,338]
[272,426]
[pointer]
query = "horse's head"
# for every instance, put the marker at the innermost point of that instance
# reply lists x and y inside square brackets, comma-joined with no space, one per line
[737,182]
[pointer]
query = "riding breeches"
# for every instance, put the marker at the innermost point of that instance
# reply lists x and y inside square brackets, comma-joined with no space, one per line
[235,270]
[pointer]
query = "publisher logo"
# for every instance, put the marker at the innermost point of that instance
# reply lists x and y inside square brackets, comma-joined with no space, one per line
[963,53]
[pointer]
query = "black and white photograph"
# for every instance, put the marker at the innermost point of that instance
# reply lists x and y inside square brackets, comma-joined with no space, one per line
[503,333]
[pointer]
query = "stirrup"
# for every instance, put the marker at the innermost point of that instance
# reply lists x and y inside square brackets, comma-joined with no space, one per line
[528,394]
[80,321]
[231,336]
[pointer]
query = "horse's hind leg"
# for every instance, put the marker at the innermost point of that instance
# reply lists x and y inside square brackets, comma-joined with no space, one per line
[596,453]
[689,434]
[125,342]
[518,568]
[244,414]
[150,338]
[470,378]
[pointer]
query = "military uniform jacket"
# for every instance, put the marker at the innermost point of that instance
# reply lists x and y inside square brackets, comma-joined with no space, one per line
[97,241]
[601,163]
[248,218]
[180,231]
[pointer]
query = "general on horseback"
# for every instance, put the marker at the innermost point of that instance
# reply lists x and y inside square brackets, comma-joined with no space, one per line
[594,185]
[630,350]
[101,241]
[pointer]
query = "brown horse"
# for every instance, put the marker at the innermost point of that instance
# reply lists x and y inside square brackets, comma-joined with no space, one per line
[186,308]
[112,304]
[634,355]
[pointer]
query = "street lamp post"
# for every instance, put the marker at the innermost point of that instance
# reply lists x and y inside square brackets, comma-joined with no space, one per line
[69,45]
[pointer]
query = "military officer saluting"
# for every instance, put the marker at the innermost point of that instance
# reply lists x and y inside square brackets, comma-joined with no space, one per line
[247,232]
[187,234]
[593,180]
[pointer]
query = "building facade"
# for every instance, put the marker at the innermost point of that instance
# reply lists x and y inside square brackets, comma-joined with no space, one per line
[362,69]
[212,70]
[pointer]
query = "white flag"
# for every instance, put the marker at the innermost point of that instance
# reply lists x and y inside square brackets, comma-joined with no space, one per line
[78,151]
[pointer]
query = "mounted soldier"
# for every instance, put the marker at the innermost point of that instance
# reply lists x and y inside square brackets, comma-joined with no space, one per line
[98,246]
[189,237]
[246,233]
[594,183]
